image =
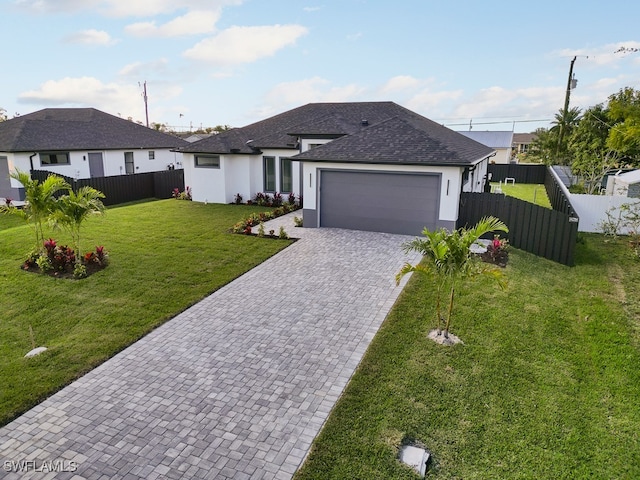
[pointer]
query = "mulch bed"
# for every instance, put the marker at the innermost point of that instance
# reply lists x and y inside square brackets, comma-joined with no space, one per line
[68,273]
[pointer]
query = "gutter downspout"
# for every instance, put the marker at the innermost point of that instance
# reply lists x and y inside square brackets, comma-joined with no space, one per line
[31,160]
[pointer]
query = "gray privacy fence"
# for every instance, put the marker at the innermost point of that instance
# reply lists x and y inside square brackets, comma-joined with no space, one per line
[521,173]
[544,232]
[127,188]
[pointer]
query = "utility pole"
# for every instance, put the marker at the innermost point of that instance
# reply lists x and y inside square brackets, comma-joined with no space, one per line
[571,83]
[144,96]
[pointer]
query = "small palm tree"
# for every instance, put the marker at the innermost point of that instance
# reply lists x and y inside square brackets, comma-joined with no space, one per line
[74,208]
[447,257]
[40,201]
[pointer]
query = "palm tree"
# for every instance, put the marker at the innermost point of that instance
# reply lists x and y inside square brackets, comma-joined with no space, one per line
[40,201]
[447,257]
[74,208]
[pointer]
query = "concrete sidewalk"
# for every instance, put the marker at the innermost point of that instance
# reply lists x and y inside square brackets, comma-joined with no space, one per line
[236,387]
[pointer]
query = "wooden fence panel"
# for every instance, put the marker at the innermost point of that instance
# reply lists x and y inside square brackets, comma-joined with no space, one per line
[521,173]
[535,229]
[127,188]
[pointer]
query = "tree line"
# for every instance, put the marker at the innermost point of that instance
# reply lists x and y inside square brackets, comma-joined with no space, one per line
[597,140]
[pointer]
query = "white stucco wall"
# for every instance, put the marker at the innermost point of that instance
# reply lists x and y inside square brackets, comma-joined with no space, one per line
[207,184]
[449,192]
[113,161]
[243,174]
[502,156]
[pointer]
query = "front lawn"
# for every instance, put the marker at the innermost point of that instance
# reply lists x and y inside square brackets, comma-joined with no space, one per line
[529,192]
[165,256]
[546,386]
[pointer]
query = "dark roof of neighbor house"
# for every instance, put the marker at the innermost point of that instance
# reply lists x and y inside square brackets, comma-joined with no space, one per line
[58,129]
[493,139]
[367,132]
[523,137]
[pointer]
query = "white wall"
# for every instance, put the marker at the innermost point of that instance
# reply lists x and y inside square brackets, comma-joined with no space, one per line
[241,174]
[451,177]
[503,155]
[113,161]
[476,179]
[207,184]
[592,209]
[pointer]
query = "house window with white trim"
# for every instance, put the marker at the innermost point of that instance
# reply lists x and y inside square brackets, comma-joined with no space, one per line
[58,158]
[286,175]
[207,161]
[269,169]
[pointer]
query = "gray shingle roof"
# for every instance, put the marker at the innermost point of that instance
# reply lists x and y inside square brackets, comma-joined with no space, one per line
[400,141]
[367,132]
[78,129]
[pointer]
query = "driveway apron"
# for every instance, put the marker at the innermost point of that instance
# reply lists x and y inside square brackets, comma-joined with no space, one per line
[237,386]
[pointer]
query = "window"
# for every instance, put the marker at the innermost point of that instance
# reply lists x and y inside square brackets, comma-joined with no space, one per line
[269,174]
[314,145]
[54,158]
[286,176]
[207,161]
[152,155]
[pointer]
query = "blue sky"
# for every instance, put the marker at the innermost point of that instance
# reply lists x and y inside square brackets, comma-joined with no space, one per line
[211,62]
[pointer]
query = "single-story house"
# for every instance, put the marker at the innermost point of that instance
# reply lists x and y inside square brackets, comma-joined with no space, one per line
[625,184]
[368,166]
[522,141]
[81,143]
[500,141]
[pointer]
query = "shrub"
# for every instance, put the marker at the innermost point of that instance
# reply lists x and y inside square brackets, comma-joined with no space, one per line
[237,199]
[178,195]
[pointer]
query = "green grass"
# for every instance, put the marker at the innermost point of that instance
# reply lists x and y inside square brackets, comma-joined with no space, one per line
[546,386]
[165,256]
[530,192]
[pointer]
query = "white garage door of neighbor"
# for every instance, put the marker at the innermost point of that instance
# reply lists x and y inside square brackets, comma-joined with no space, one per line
[379,201]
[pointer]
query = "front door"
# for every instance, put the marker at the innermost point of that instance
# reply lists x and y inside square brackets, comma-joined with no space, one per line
[129,168]
[96,166]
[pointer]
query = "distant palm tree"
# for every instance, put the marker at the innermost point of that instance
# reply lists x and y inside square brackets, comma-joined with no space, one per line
[564,124]
[448,259]
[40,201]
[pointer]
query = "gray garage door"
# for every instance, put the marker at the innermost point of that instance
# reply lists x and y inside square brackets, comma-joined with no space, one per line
[379,201]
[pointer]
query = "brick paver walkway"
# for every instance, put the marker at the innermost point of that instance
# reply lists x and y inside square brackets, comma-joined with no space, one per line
[236,387]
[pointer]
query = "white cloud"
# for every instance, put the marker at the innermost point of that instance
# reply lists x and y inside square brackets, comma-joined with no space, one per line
[195,22]
[139,70]
[114,98]
[53,6]
[609,54]
[90,37]
[238,45]
[147,8]
[311,9]
[400,82]
[124,8]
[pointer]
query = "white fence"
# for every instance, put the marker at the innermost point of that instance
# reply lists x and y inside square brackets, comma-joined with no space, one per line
[592,209]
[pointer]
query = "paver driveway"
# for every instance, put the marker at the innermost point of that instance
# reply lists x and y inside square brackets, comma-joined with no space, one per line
[236,387]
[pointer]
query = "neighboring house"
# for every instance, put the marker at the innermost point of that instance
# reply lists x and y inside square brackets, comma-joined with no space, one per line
[500,141]
[367,166]
[624,184]
[521,142]
[81,143]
